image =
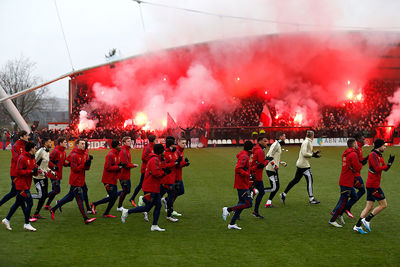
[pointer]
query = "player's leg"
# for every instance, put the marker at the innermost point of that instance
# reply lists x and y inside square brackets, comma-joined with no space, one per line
[11,194]
[293,182]
[56,189]
[86,197]
[43,188]
[243,203]
[126,189]
[67,198]
[259,185]
[344,196]
[274,182]
[113,195]
[309,180]
[138,188]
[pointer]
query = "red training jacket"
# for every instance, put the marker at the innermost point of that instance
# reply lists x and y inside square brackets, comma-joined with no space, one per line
[125,157]
[17,149]
[258,157]
[147,150]
[360,156]
[170,158]
[58,155]
[377,162]
[77,157]
[242,172]
[350,167]
[111,169]
[179,152]
[25,165]
[153,174]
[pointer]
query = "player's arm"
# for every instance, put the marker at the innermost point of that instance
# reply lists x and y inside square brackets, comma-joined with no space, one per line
[22,167]
[77,166]
[374,163]
[242,166]
[355,163]
[306,150]
[110,165]
[156,168]
[125,160]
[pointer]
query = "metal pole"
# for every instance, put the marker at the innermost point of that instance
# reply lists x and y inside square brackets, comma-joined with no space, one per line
[13,111]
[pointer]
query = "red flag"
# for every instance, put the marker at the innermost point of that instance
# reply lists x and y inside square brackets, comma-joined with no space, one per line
[172,127]
[265,118]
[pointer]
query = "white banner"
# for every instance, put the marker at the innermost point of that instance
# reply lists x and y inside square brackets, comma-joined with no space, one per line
[341,141]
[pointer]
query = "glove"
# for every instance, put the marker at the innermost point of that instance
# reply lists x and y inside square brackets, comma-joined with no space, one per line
[390,161]
[166,171]
[260,166]
[252,177]
[90,157]
[178,161]
[365,160]
[187,164]
[88,163]
[55,168]
[186,160]
[316,154]
[269,158]
[121,165]
[35,171]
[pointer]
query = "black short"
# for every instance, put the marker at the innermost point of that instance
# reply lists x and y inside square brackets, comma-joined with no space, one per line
[375,194]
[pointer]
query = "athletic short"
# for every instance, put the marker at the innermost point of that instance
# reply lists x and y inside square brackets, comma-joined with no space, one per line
[375,194]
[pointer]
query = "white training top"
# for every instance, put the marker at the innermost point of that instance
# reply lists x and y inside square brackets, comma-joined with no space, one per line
[305,154]
[275,151]
[44,165]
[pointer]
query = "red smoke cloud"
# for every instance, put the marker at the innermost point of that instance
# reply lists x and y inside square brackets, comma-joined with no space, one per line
[300,72]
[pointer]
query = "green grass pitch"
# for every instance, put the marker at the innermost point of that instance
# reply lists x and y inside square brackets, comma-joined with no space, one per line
[295,234]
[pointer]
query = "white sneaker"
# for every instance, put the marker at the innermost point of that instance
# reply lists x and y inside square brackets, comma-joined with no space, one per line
[234,226]
[29,227]
[146,216]
[124,215]
[120,209]
[156,228]
[359,229]
[225,213]
[172,219]
[341,219]
[141,202]
[6,224]
[175,213]
[335,224]
[367,225]
[164,202]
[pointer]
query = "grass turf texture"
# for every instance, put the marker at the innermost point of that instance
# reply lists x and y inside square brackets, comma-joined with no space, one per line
[295,234]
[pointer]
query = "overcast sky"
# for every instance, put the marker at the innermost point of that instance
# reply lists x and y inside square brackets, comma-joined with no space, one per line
[92,27]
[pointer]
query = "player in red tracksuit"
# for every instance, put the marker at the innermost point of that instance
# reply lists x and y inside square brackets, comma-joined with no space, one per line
[155,171]
[17,149]
[242,184]
[168,182]
[25,168]
[111,172]
[358,181]
[180,163]
[80,163]
[125,175]
[147,151]
[374,191]
[350,167]
[258,163]
[57,156]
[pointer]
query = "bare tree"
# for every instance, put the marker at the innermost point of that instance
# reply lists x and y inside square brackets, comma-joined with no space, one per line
[17,75]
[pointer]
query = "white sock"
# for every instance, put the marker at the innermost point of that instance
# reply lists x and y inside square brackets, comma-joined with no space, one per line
[269,202]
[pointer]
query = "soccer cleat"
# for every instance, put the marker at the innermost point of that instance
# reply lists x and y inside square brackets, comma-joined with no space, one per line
[234,226]
[269,205]
[93,208]
[47,207]
[87,221]
[124,215]
[120,209]
[6,224]
[33,219]
[146,216]
[172,219]
[164,202]
[29,227]
[335,224]
[108,216]
[283,198]
[225,213]
[314,201]
[89,212]
[38,216]
[175,213]
[156,228]
[341,219]
[366,224]
[348,213]
[257,215]
[133,203]
[359,229]
[52,214]
[141,202]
